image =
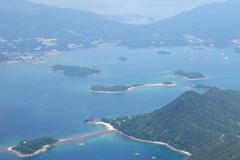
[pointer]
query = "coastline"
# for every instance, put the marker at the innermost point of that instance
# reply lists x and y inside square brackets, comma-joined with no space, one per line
[191,79]
[135,87]
[81,138]
[42,150]
[109,127]
[45,148]
[196,79]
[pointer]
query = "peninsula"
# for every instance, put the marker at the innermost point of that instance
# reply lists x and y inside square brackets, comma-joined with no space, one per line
[190,75]
[75,71]
[206,125]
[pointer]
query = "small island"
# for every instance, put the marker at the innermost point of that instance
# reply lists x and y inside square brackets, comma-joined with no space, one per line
[29,148]
[163,52]
[122,59]
[168,83]
[75,71]
[112,89]
[126,88]
[190,75]
[201,86]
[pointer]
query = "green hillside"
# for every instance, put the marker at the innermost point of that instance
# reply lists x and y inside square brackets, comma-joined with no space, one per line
[207,125]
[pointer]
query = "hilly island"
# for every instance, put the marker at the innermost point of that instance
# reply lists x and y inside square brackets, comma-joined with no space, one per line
[29,148]
[206,125]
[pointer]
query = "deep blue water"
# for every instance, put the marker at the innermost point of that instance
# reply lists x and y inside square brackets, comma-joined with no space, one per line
[35,102]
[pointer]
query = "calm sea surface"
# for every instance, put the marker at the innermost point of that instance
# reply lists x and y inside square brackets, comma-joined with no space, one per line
[36,102]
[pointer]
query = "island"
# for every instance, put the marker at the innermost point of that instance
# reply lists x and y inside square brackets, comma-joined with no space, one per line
[162,52]
[75,71]
[190,75]
[201,126]
[237,50]
[201,86]
[29,148]
[126,88]
[110,89]
[122,59]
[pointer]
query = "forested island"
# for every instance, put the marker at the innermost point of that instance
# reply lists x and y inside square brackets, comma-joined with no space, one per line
[201,86]
[29,148]
[125,88]
[75,71]
[190,75]
[163,52]
[206,125]
[113,89]
[122,59]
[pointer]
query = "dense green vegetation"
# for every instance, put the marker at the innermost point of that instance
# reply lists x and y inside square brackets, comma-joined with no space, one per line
[120,88]
[31,146]
[117,88]
[192,75]
[207,125]
[75,71]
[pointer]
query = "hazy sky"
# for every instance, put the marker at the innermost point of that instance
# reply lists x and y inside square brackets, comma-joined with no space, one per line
[149,8]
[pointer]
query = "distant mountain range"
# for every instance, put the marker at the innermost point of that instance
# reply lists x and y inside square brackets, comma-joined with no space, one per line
[30,27]
[216,23]
[22,19]
[28,31]
[207,125]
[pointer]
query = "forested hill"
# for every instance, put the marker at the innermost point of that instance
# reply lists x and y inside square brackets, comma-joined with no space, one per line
[207,125]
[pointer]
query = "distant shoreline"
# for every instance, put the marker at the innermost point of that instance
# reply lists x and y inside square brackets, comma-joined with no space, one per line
[135,87]
[195,79]
[191,79]
[191,76]
[109,127]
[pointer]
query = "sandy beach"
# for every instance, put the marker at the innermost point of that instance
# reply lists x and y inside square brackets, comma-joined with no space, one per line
[108,129]
[111,128]
[43,149]
[108,126]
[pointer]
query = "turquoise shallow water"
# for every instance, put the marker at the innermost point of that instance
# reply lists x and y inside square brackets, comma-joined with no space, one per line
[34,101]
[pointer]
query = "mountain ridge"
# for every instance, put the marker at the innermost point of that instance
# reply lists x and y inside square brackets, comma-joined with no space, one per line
[199,123]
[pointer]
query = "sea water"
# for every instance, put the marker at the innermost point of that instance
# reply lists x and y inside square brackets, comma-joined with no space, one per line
[37,102]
